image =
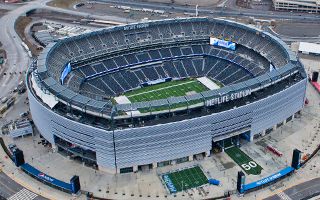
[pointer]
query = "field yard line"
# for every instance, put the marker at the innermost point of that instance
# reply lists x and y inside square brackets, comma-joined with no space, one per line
[195,175]
[160,88]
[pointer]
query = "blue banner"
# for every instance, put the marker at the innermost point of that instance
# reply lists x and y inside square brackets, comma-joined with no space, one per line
[268,179]
[222,43]
[44,177]
[65,73]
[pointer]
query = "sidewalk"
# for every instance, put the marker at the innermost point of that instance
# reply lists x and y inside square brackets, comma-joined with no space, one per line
[31,184]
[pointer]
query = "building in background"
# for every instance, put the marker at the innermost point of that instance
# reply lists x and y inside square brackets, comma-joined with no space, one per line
[311,6]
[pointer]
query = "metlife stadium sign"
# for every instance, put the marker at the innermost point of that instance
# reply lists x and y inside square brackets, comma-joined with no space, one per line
[268,179]
[44,176]
[222,43]
[228,97]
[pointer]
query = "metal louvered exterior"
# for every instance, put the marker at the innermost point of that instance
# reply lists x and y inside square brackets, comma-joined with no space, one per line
[145,145]
[118,143]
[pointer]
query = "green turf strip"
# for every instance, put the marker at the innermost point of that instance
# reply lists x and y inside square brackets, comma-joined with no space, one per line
[188,178]
[244,161]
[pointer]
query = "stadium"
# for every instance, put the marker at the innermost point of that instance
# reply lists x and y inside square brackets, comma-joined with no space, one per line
[164,92]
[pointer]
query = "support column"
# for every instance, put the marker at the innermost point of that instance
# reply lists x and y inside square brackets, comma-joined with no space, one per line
[263,133]
[251,137]
[292,117]
[154,165]
[54,148]
[173,162]
[222,146]
[284,122]
[208,153]
[191,158]
[238,140]
[135,168]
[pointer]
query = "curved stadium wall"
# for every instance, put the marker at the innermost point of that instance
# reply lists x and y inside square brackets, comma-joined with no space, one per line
[276,99]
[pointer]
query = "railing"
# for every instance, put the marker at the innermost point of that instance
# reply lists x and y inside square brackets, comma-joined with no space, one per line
[5,148]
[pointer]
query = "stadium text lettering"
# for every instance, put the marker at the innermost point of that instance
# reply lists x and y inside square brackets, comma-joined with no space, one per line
[269,179]
[42,175]
[169,184]
[226,98]
[135,26]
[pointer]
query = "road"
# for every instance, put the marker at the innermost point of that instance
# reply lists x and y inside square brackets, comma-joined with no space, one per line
[17,58]
[304,190]
[219,12]
[12,191]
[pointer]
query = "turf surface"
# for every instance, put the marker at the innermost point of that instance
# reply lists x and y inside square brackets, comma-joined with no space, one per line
[244,161]
[166,90]
[185,179]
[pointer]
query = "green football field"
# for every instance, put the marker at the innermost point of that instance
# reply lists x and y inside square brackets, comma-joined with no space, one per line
[185,179]
[244,161]
[166,90]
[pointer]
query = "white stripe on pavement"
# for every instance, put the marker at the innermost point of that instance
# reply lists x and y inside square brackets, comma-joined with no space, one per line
[284,196]
[23,194]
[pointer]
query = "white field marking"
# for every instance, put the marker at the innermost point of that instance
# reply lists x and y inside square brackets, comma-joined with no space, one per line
[163,88]
[208,83]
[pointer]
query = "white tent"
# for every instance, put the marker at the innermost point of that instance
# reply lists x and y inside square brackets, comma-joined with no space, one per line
[306,48]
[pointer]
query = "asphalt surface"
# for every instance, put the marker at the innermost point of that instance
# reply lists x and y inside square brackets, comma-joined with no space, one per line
[299,30]
[13,191]
[221,11]
[304,190]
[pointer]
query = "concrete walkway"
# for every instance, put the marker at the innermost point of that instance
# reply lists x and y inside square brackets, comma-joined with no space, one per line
[21,178]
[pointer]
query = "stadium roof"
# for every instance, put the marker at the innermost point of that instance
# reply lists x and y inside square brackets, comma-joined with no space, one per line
[66,94]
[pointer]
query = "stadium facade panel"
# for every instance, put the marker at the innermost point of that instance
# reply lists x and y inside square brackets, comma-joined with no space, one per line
[116,137]
[147,145]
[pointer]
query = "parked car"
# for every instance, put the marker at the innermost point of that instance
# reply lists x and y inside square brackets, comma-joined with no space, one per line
[24,114]
[4,99]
